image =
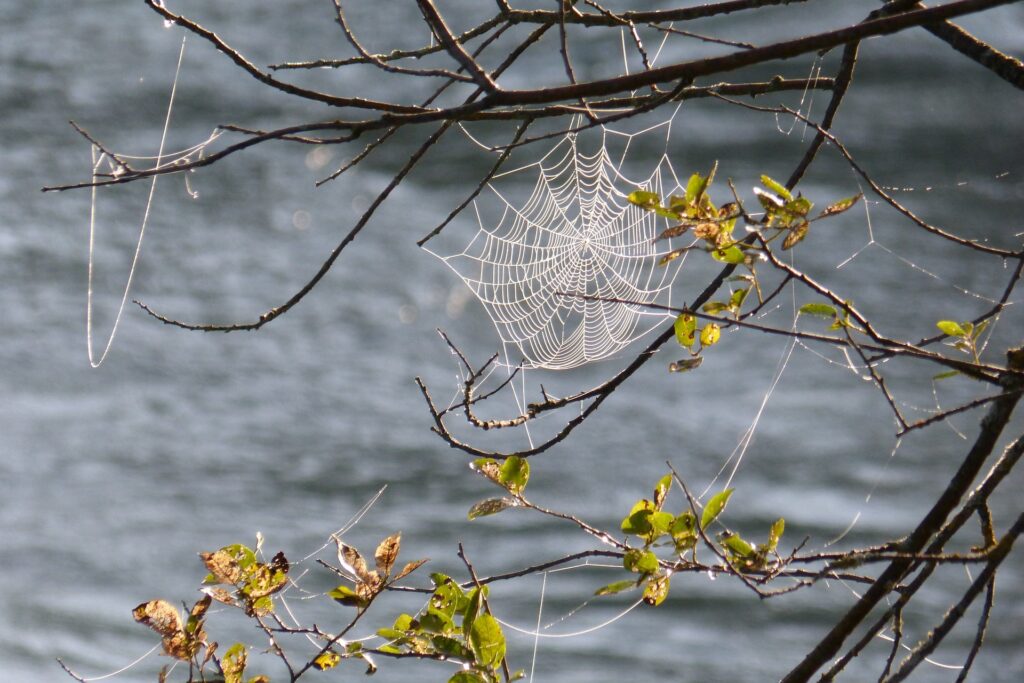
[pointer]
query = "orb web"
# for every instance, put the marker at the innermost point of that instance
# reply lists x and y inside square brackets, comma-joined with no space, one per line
[568,273]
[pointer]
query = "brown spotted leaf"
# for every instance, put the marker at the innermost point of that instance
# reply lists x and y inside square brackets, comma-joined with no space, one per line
[223,566]
[159,615]
[674,231]
[840,206]
[221,595]
[178,645]
[489,468]
[387,553]
[706,231]
[796,235]
[672,255]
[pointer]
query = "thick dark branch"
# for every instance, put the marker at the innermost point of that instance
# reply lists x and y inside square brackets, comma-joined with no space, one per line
[682,14]
[745,58]
[635,105]
[991,428]
[1003,65]
[984,578]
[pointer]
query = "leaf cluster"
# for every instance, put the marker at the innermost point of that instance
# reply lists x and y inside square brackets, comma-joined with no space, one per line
[455,624]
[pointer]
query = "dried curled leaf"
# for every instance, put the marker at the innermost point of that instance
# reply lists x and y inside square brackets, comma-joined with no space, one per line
[685,364]
[353,562]
[199,609]
[221,595]
[840,206]
[387,553]
[409,568]
[490,506]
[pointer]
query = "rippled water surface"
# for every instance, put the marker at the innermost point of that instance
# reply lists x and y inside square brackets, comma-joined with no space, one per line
[114,478]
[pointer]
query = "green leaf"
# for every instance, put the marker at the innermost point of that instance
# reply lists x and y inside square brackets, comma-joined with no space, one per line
[951,328]
[731,254]
[714,507]
[435,621]
[710,335]
[799,206]
[677,203]
[819,310]
[617,587]
[391,634]
[644,199]
[979,328]
[686,326]
[390,649]
[946,375]
[737,298]
[684,531]
[515,472]
[776,187]
[640,561]
[450,647]
[665,213]
[346,596]
[491,506]
[660,523]
[737,545]
[638,521]
[695,187]
[467,677]
[775,533]
[264,605]
[840,206]
[656,590]
[487,640]
[473,607]
[403,623]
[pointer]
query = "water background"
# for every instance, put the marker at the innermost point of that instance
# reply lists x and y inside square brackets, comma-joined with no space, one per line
[114,478]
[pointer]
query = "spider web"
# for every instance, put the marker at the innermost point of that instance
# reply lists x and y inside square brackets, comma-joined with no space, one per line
[575,234]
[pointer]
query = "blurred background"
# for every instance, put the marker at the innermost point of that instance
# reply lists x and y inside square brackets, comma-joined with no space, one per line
[114,478]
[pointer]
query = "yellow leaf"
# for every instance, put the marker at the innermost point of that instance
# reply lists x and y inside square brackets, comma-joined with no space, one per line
[710,335]
[326,660]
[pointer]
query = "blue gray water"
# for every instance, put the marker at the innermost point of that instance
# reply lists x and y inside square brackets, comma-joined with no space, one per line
[114,478]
